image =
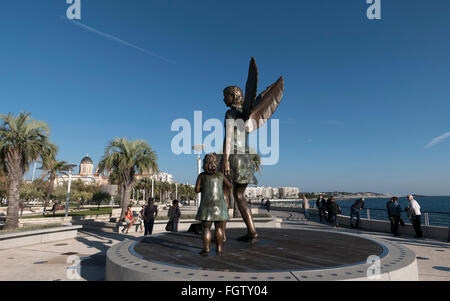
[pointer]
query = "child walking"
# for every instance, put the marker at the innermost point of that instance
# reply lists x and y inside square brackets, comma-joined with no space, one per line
[213,207]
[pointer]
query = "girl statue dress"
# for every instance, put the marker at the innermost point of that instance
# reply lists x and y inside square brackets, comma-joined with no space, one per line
[247,113]
[213,207]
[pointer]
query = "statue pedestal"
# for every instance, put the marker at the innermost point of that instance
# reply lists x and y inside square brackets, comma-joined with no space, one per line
[280,254]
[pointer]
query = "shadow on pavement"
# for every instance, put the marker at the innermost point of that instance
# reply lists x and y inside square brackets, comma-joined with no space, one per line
[93,266]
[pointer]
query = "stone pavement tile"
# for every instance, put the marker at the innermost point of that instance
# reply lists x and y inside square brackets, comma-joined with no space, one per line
[50,261]
[46,262]
[31,265]
[433,256]
[424,277]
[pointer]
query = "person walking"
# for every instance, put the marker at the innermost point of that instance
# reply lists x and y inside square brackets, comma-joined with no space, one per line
[321,205]
[150,213]
[391,219]
[416,216]
[305,206]
[268,205]
[54,208]
[394,210]
[355,211]
[174,215]
[327,208]
[138,221]
[333,212]
[21,207]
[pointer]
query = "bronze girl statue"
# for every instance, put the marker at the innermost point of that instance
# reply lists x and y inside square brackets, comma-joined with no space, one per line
[246,114]
[213,207]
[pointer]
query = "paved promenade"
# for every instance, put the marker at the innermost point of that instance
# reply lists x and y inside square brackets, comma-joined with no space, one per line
[50,261]
[433,256]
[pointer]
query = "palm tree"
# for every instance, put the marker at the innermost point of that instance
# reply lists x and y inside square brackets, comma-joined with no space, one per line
[182,191]
[165,187]
[53,168]
[157,190]
[3,184]
[146,185]
[127,158]
[22,141]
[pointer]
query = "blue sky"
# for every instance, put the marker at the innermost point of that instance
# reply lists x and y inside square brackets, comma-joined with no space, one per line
[362,98]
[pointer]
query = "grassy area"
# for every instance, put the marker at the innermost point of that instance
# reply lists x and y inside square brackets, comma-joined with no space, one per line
[92,211]
[30,228]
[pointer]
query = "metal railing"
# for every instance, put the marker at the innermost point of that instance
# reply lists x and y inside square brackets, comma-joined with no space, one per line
[429,218]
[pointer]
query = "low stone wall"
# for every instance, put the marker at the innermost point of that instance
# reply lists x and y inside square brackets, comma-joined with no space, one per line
[25,238]
[183,225]
[62,220]
[435,232]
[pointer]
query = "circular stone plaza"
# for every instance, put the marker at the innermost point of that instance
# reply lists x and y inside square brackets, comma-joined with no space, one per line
[279,255]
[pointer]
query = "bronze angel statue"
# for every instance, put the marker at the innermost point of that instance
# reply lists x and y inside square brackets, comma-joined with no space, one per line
[246,114]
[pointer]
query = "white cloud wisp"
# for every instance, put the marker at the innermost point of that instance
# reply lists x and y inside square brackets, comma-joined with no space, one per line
[437,140]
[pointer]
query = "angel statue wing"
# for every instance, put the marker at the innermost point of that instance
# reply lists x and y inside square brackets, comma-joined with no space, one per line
[259,109]
[251,88]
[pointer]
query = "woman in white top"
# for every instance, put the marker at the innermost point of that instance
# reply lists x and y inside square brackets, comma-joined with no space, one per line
[305,206]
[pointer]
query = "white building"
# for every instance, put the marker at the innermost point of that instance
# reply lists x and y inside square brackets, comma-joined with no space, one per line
[271,192]
[85,174]
[288,192]
[163,177]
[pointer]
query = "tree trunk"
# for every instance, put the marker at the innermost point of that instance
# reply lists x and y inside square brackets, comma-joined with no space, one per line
[15,175]
[125,199]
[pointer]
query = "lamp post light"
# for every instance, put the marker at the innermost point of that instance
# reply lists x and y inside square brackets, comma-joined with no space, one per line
[34,170]
[68,192]
[198,149]
[153,184]
[176,191]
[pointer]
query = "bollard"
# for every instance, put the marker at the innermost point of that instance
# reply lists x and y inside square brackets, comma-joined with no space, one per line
[427,219]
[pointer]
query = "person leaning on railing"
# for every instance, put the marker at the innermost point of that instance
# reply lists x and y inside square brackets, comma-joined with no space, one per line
[415,215]
[321,205]
[355,211]
[334,210]
[394,211]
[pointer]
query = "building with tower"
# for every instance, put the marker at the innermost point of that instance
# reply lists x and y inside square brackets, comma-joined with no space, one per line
[85,174]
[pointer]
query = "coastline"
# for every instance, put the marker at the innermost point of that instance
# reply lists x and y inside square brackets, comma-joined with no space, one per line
[338,198]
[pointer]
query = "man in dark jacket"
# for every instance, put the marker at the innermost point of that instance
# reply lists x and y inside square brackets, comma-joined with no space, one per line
[327,208]
[333,211]
[174,215]
[394,210]
[391,219]
[268,205]
[150,213]
[355,211]
[321,205]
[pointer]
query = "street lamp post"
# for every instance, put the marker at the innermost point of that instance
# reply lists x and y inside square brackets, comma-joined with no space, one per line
[199,148]
[34,170]
[68,193]
[153,184]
